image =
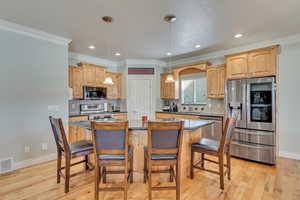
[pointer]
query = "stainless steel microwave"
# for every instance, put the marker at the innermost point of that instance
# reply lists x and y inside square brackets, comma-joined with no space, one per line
[94,92]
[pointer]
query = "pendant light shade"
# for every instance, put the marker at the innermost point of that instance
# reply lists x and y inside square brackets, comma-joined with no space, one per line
[108,81]
[170,79]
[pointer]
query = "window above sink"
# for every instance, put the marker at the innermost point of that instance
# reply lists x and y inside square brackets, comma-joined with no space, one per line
[193,88]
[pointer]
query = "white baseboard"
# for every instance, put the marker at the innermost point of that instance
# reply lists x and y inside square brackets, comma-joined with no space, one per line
[286,154]
[34,161]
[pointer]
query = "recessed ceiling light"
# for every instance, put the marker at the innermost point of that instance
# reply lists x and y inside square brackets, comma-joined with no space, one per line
[238,35]
[197,46]
[92,47]
[168,53]
[117,54]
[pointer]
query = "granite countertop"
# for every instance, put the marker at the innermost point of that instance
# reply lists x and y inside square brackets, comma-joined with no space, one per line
[189,124]
[194,113]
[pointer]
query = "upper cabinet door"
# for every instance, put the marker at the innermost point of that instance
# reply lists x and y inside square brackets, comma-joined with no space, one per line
[262,63]
[114,91]
[237,66]
[99,75]
[77,84]
[71,68]
[89,75]
[167,90]
[215,81]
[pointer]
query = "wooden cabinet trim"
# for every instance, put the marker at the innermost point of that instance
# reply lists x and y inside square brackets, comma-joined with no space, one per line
[253,50]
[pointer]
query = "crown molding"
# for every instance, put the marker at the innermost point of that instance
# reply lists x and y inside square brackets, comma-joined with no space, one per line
[93,60]
[220,54]
[34,33]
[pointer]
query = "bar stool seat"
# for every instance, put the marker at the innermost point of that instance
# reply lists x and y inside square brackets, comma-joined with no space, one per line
[207,144]
[160,156]
[80,146]
[116,156]
[217,149]
[78,149]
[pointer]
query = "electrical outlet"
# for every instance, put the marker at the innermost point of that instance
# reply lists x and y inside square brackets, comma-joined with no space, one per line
[44,146]
[27,149]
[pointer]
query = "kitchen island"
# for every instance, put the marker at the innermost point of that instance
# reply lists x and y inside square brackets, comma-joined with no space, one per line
[138,139]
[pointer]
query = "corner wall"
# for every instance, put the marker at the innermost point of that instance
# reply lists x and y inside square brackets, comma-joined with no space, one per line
[289,101]
[33,85]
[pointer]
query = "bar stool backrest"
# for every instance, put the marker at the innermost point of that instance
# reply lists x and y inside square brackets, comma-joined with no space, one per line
[110,138]
[227,136]
[164,137]
[59,134]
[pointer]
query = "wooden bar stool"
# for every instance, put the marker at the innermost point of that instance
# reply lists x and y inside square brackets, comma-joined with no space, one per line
[217,149]
[164,149]
[110,141]
[77,149]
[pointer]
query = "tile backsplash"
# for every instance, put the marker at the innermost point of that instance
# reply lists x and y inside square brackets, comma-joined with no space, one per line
[215,106]
[74,105]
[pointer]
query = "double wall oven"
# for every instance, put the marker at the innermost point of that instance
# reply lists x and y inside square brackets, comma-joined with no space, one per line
[252,101]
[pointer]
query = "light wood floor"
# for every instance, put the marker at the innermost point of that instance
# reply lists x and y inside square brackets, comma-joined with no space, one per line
[249,181]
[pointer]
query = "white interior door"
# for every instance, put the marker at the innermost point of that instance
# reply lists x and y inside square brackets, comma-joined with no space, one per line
[139,97]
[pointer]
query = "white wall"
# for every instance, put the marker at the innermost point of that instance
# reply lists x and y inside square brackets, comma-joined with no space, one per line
[289,101]
[33,75]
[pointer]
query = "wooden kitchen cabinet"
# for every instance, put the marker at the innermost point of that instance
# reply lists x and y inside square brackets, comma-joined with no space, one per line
[93,75]
[237,66]
[76,81]
[76,134]
[262,62]
[255,63]
[167,90]
[114,91]
[71,68]
[215,81]
[99,75]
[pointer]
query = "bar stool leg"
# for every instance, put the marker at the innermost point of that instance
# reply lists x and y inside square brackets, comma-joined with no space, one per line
[67,173]
[149,172]
[228,166]
[202,160]
[59,157]
[104,174]
[125,181]
[131,170]
[178,180]
[221,169]
[192,165]
[86,159]
[171,173]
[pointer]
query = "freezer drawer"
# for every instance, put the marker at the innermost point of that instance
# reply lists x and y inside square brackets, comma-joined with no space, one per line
[260,153]
[254,136]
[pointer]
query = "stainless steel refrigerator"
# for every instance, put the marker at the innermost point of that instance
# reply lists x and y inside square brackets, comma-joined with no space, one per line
[253,102]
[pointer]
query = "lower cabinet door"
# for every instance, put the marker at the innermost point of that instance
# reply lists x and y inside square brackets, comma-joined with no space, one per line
[77,134]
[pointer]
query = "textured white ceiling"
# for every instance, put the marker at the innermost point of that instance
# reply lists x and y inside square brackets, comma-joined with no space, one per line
[140,32]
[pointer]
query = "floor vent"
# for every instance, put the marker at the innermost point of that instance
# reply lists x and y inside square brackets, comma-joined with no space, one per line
[6,165]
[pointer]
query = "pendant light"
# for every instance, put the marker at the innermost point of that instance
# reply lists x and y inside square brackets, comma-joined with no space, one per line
[170,19]
[107,19]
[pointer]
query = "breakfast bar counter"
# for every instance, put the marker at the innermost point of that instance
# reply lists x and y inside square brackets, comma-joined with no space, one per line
[138,139]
